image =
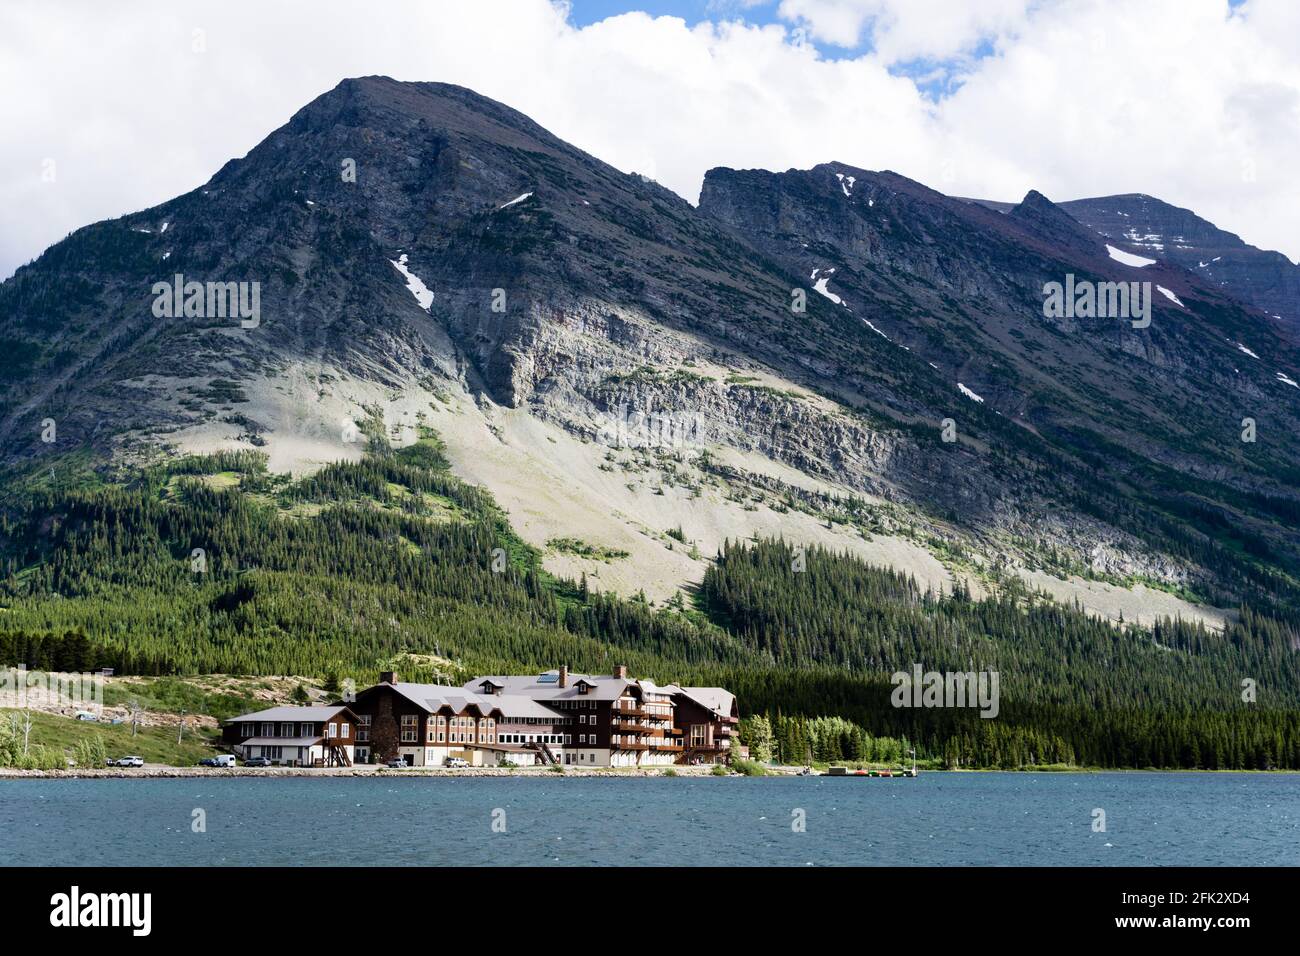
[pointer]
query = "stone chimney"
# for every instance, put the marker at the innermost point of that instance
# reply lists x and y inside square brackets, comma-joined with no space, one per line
[564,675]
[621,672]
[388,677]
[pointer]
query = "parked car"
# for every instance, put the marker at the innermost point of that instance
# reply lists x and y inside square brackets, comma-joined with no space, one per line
[223,760]
[397,763]
[208,762]
[110,762]
[257,762]
[130,760]
[455,762]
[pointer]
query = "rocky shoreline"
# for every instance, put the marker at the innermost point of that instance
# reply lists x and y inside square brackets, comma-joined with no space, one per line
[360,771]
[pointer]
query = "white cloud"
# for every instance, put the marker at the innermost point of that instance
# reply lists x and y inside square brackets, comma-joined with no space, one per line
[1175,98]
[908,29]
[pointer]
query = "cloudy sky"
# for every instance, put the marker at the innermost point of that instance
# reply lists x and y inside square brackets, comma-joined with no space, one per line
[110,108]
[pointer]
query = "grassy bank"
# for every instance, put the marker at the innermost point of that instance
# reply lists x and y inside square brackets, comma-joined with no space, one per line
[53,732]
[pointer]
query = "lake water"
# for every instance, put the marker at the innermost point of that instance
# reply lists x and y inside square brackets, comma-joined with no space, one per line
[936,819]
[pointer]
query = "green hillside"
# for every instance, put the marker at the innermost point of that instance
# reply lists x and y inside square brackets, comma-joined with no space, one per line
[211,564]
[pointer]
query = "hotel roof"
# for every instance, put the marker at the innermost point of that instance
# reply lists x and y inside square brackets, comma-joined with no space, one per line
[717,699]
[312,714]
[434,696]
[546,686]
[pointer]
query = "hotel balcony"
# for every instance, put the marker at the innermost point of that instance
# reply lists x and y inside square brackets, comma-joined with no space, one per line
[641,712]
[624,726]
[652,743]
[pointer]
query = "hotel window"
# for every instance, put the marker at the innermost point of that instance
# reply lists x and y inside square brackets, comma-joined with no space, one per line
[344,731]
[568,738]
[304,730]
[334,730]
[410,728]
[363,728]
[286,730]
[268,730]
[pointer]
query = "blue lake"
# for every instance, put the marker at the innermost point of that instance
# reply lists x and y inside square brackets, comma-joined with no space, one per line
[935,820]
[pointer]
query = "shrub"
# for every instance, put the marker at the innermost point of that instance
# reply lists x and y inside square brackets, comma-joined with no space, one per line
[91,751]
[43,758]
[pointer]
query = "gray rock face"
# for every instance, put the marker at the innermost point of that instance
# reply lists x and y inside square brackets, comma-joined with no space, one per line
[1146,225]
[962,287]
[474,250]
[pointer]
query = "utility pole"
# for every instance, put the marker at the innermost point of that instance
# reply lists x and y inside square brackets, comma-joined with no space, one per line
[134,707]
[181,733]
[27,729]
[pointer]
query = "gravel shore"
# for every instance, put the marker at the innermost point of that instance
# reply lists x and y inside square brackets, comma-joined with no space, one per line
[359,771]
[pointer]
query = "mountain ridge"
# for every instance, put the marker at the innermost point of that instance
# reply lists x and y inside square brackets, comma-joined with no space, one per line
[620,295]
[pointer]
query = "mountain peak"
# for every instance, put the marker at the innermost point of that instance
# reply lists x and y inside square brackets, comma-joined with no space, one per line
[1043,218]
[1152,227]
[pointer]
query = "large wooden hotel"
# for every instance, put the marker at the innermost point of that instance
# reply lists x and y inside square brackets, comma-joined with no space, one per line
[554,717]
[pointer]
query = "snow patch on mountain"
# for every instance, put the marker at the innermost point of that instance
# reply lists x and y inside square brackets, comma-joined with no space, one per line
[414,284]
[1119,255]
[820,285]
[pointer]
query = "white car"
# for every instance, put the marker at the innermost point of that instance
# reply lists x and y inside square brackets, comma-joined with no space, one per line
[130,761]
[455,762]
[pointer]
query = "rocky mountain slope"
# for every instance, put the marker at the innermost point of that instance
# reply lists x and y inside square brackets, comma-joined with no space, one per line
[638,381]
[1150,227]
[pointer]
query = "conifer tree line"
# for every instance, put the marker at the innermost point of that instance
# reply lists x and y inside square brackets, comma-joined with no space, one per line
[361,562]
